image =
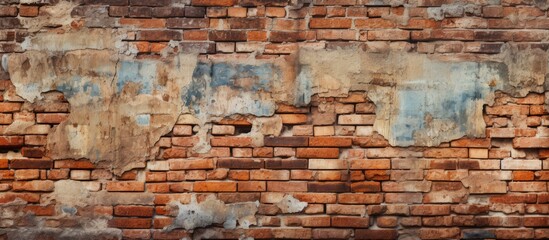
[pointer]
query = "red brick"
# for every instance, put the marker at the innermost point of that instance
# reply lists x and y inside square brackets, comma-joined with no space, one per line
[286,163]
[8,11]
[30,163]
[40,210]
[293,118]
[514,233]
[508,110]
[190,164]
[143,23]
[376,234]
[366,187]
[74,164]
[240,163]
[57,174]
[126,186]
[471,142]
[317,153]
[373,23]
[336,187]
[186,23]
[514,198]
[446,153]
[350,222]
[34,186]
[11,141]
[392,34]
[51,118]
[133,211]
[430,210]
[523,175]
[359,198]
[227,36]
[330,142]
[28,197]
[213,3]
[531,142]
[330,23]
[27,174]
[252,186]
[7,174]
[213,186]
[3,163]
[265,152]
[159,35]
[331,233]
[266,174]
[439,233]
[33,152]
[286,186]
[10,107]
[370,164]
[28,11]
[130,223]
[286,141]
[231,141]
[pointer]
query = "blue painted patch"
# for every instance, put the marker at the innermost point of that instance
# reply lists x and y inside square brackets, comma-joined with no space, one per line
[92,88]
[140,72]
[143,119]
[76,85]
[446,99]
[246,79]
[304,85]
[477,234]
[225,74]
[195,92]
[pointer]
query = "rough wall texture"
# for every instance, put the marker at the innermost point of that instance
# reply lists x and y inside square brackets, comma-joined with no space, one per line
[261,119]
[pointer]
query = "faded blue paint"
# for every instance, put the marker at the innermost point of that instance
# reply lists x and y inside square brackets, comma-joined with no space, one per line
[92,88]
[448,99]
[140,72]
[76,85]
[193,95]
[248,80]
[478,234]
[226,74]
[143,119]
[303,88]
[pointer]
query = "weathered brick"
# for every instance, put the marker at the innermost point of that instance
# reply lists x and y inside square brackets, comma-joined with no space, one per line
[159,35]
[214,3]
[286,141]
[353,222]
[317,153]
[212,186]
[34,186]
[446,153]
[287,186]
[30,163]
[533,142]
[133,211]
[330,23]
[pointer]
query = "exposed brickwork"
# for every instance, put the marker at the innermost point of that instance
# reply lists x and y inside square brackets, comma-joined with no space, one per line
[355,183]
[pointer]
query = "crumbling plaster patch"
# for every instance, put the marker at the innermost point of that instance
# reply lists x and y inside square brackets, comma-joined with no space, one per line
[213,211]
[421,100]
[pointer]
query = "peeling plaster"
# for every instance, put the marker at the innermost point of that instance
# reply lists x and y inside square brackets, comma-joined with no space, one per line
[214,211]
[289,204]
[421,100]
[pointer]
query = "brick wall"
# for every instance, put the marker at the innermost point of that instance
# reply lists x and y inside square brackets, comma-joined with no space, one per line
[324,172]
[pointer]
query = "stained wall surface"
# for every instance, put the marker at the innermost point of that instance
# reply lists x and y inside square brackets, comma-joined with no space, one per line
[274,119]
